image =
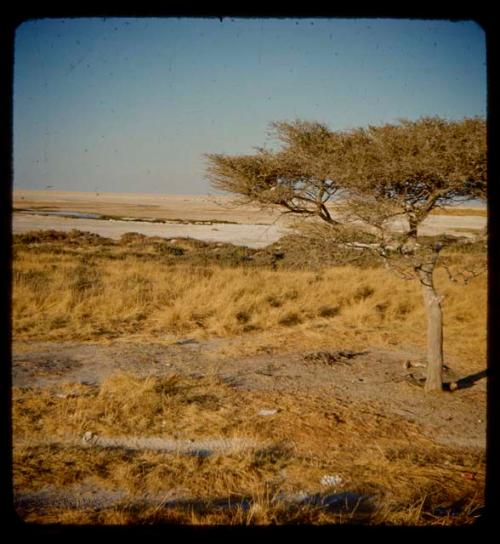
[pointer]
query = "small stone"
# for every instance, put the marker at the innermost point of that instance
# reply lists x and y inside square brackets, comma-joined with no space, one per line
[185,341]
[333,480]
[268,412]
[87,437]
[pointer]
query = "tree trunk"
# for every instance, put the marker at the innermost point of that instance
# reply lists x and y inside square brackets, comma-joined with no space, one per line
[413,226]
[432,301]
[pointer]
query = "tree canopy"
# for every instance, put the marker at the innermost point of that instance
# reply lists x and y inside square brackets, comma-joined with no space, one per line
[383,173]
[417,165]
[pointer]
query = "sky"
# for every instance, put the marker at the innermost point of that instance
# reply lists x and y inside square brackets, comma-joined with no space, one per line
[132,105]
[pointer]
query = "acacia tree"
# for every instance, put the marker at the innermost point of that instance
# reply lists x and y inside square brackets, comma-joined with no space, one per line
[389,179]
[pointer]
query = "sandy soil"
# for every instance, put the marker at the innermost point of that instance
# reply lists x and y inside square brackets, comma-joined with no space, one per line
[194,207]
[253,227]
[437,224]
[251,235]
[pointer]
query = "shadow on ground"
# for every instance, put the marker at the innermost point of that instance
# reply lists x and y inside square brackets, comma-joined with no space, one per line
[465,383]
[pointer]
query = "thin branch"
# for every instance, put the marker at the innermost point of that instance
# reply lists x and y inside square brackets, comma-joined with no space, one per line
[464,277]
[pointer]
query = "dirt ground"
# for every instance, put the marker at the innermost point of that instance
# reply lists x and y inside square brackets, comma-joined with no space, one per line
[387,383]
[390,380]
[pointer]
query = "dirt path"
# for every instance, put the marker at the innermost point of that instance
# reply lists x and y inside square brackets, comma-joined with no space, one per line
[388,380]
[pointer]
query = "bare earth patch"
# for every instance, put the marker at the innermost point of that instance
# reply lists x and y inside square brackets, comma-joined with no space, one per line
[376,387]
[389,379]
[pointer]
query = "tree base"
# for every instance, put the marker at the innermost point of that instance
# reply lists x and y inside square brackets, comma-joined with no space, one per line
[433,387]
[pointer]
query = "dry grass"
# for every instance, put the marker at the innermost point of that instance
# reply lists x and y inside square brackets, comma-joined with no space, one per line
[310,436]
[63,296]
[82,288]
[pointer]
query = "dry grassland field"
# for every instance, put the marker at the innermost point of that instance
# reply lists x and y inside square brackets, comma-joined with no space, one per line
[219,377]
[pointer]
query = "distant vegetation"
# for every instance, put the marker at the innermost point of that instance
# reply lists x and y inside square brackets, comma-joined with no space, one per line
[461,212]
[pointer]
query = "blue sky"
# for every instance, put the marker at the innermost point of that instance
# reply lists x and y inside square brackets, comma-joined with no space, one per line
[131,105]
